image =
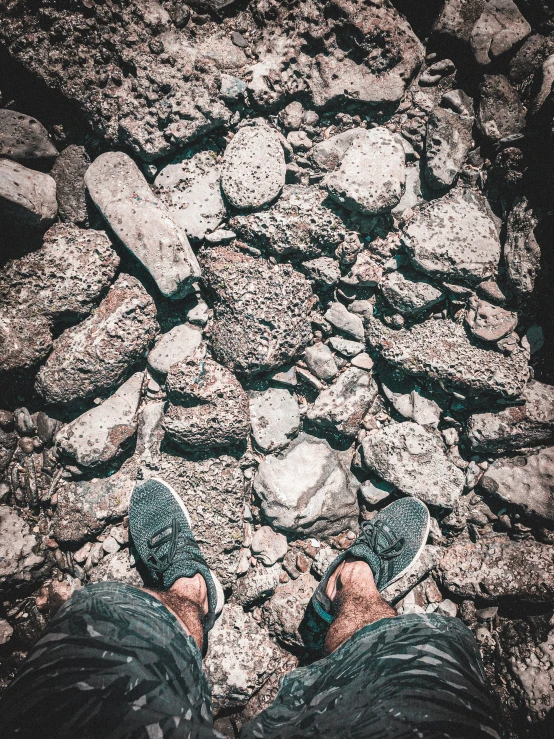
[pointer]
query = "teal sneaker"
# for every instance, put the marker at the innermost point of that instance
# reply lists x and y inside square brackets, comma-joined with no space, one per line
[161,531]
[391,543]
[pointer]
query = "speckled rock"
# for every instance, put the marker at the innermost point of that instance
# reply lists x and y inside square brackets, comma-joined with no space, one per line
[23,138]
[208,406]
[365,272]
[284,611]
[341,407]
[22,557]
[69,174]
[454,237]
[268,546]
[24,340]
[489,322]
[413,460]
[441,350]
[191,190]
[92,358]
[323,270]
[261,312]
[102,434]
[300,222]
[328,154]
[535,675]
[499,27]
[177,344]
[257,584]
[253,169]
[116,567]
[321,361]
[522,254]
[142,222]
[371,176]
[344,320]
[275,417]
[409,294]
[508,429]
[447,143]
[525,482]
[27,197]
[65,278]
[501,113]
[496,568]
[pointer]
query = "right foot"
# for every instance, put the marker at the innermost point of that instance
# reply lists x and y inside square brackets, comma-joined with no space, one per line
[391,543]
[161,531]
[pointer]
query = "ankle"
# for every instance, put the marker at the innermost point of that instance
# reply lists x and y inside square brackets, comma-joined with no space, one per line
[194,590]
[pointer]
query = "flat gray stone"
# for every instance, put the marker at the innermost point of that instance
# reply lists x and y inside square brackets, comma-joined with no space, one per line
[191,190]
[410,400]
[501,114]
[275,418]
[497,30]
[102,434]
[342,406]
[268,546]
[177,344]
[142,222]
[324,270]
[345,347]
[371,176]
[412,459]
[447,142]
[69,174]
[321,362]
[328,154]
[343,320]
[308,489]
[22,557]
[253,169]
[23,138]
[409,295]
[489,322]
[27,197]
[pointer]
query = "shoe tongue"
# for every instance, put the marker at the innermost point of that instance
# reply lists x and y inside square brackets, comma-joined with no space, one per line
[363,552]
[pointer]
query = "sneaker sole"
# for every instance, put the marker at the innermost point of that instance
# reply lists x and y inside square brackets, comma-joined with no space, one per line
[419,551]
[220,595]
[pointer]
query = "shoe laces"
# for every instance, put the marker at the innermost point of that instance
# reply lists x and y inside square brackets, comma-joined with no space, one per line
[381,540]
[167,534]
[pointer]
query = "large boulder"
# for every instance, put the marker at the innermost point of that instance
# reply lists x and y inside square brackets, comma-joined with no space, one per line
[65,278]
[308,489]
[441,351]
[23,138]
[22,557]
[142,222]
[91,359]
[298,223]
[27,197]
[454,237]
[413,460]
[516,426]
[261,311]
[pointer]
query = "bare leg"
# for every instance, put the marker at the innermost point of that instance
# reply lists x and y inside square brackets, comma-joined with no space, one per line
[187,599]
[355,602]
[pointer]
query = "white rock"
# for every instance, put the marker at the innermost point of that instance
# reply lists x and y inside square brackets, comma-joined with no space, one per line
[27,197]
[345,347]
[275,417]
[321,362]
[269,546]
[6,631]
[199,315]
[345,321]
[177,344]
[363,361]
[406,397]
[408,295]
[142,222]
[375,492]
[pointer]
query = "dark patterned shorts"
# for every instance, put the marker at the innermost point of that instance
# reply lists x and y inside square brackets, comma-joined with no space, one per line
[115,663]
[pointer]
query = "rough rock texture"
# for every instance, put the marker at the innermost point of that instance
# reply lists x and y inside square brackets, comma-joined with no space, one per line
[253,168]
[454,237]
[191,190]
[116,567]
[284,612]
[501,113]
[92,358]
[102,434]
[174,346]
[409,399]
[258,583]
[413,460]
[68,173]
[65,278]
[457,18]
[27,197]
[489,322]
[328,154]
[535,675]
[526,482]
[309,489]
[24,341]
[208,406]
[409,294]
[298,223]
[342,406]
[371,176]
[23,138]
[499,27]
[522,254]
[447,142]
[268,546]
[142,222]
[22,558]
[275,418]
[261,313]
[516,426]
[441,350]
[497,568]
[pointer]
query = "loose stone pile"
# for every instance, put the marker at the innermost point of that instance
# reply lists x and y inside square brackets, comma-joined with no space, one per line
[295,261]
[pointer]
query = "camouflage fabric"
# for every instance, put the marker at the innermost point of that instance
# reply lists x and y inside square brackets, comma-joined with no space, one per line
[114,663]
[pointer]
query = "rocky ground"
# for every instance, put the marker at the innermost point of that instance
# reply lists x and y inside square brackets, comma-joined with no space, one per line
[295,258]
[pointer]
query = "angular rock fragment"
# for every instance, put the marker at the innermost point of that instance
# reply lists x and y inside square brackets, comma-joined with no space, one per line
[454,237]
[413,460]
[284,611]
[321,362]
[456,20]
[261,313]
[365,272]
[526,482]
[497,568]
[27,197]
[341,407]
[489,322]
[522,254]
[22,557]
[69,174]
[441,351]
[343,320]
[102,434]
[298,223]
[324,270]
[257,584]
[269,546]
[65,278]
[173,347]
[23,138]
[143,224]
[501,114]
[410,400]
[253,169]
[92,358]
[208,406]
[275,418]
[447,143]
[345,347]
[499,27]
[116,567]
[309,489]
[191,190]
[328,154]
[535,675]
[516,426]
[371,176]
[426,562]
[409,295]
[24,340]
